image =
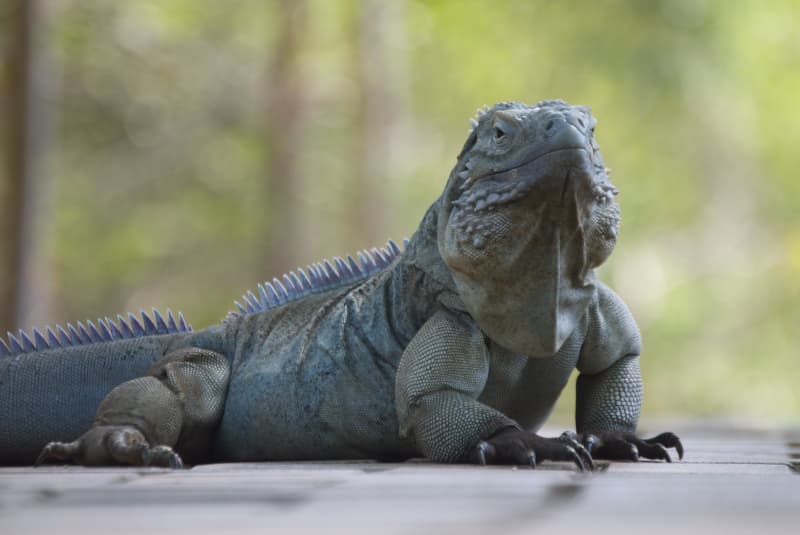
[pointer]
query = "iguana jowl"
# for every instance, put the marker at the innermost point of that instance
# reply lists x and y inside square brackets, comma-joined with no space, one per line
[455,348]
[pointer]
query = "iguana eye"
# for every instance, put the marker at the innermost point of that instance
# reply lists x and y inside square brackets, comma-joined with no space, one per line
[498,133]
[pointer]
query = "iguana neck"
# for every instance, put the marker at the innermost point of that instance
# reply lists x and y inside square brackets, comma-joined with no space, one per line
[420,282]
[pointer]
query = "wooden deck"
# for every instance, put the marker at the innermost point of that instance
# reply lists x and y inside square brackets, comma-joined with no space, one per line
[731,481]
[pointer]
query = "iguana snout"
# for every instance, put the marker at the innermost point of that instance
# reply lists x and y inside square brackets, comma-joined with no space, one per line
[527,214]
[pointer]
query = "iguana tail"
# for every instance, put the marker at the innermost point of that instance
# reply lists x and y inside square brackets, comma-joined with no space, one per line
[52,383]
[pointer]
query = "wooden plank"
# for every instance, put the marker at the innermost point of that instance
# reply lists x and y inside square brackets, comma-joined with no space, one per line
[734,483]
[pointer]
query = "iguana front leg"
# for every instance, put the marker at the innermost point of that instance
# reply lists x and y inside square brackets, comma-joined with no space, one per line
[607,411]
[142,422]
[441,374]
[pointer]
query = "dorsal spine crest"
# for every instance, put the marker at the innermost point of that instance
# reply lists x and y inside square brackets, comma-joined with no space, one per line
[104,330]
[318,277]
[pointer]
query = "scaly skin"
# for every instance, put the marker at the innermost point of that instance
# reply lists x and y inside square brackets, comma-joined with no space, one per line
[457,350]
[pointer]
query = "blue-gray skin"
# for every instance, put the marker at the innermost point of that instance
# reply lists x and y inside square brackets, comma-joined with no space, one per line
[455,349]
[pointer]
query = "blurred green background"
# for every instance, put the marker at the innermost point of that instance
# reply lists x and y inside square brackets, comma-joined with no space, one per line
[173,153]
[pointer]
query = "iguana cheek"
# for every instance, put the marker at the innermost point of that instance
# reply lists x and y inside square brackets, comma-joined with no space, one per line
[474,236]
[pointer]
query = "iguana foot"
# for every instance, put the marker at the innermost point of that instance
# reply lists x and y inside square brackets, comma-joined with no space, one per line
[621,446]
[108,445]
[513,446]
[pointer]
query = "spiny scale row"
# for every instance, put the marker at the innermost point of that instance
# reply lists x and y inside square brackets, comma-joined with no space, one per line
[479,113]
[104,331]
[319,277]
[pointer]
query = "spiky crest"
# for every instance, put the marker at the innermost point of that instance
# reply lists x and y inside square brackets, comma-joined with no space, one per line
[317,278]
[84,334]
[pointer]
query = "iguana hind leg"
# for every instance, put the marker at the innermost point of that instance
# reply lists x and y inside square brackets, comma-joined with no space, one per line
[104,445]
[149,420]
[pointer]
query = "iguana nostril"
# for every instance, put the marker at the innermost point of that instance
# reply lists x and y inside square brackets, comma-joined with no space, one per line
[549,125]
[580,122]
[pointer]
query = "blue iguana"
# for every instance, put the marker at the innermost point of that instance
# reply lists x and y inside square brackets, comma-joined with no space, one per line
[454,348]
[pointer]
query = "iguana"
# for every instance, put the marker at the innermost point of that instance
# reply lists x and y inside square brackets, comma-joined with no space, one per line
[455,348]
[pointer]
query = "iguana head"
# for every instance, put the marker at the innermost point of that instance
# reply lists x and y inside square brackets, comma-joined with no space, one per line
[527,214]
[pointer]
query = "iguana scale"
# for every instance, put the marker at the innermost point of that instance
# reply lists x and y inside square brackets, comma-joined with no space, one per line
[455,348]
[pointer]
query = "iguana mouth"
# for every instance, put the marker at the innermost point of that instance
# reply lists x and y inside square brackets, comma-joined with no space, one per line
[472,180]
[505,190]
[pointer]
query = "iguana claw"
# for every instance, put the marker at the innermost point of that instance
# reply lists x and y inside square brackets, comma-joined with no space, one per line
[571,439]
[480,452]
[513,446]
[623,446]
[669,440]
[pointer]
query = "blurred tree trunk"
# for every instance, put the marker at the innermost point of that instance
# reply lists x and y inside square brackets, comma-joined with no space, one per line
[383,86]
[22,297]
[285,225]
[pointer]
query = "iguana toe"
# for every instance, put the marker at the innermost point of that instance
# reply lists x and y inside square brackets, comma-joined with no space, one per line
[624,446]
[58,451]
[582,452]
[668,440]
[513,446]
[110,445]
[162,456]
